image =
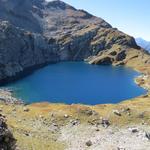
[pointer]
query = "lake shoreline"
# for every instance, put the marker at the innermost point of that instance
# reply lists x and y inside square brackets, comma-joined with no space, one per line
[140,80]
[89,126]
[56,125]
[81,101]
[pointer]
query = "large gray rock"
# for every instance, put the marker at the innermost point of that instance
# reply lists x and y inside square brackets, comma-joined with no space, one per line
[7,141]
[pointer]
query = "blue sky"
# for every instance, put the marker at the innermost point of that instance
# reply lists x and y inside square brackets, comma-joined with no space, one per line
[129,16]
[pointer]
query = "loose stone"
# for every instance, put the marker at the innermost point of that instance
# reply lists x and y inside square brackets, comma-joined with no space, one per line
[89,143]
[25,109]
[116,112]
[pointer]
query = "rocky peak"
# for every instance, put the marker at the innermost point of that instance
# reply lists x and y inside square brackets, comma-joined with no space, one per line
[57,4]
[49,18]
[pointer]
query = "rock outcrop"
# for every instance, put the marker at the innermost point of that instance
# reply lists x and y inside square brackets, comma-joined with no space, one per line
[36,32]
[7,141]
[21,50]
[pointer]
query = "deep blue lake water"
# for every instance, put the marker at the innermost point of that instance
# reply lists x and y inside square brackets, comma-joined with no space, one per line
[78,82]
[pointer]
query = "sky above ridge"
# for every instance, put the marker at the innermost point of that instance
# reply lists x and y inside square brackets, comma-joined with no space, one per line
[129,16]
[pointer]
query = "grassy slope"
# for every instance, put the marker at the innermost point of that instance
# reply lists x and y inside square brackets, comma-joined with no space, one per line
[31,129]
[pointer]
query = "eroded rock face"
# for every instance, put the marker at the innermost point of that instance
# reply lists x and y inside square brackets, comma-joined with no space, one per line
[37,32]
[20,50]
[7,141]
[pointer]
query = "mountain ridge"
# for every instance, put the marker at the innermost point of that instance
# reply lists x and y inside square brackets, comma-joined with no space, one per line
[48,32]
[38,12]
[143,43]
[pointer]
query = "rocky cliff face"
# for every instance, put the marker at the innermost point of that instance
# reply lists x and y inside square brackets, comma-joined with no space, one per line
[21,50]
[7,140]
[37,32]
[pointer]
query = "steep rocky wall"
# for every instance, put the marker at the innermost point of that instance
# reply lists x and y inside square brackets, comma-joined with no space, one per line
[7,141]
[20,50]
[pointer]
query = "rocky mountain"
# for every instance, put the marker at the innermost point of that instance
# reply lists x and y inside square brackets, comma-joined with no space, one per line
[53,18]
[36,32]
[143,43]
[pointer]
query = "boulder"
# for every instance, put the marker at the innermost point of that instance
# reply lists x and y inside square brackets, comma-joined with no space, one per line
[25,109]
[7,141]
[147,135]
[89,143]
[105,122]
[134,130]
[88,112]
[117,112]
[66,116]
[75,122]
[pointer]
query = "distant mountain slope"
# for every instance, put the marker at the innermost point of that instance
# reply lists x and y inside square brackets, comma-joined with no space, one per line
[37,32]
[143,43]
